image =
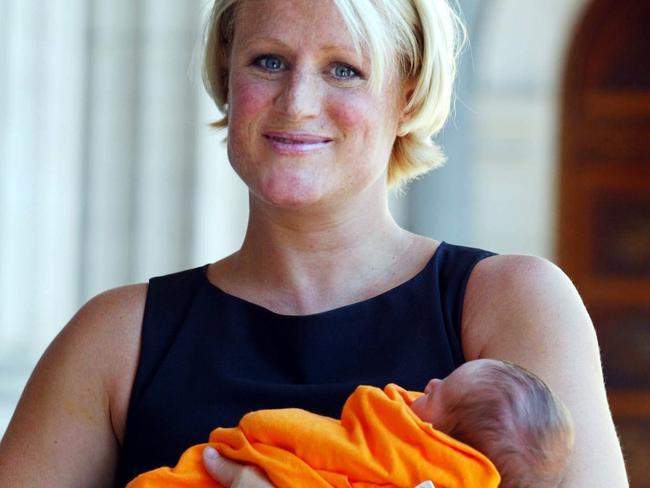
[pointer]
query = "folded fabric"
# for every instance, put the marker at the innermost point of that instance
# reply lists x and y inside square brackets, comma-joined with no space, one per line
[379,442]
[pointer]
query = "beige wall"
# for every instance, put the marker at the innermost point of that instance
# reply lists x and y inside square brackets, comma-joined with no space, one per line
[519,55]
[108,173]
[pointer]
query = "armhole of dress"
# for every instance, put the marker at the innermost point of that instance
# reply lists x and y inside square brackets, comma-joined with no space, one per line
[456,267]
[461,296]
[168,299]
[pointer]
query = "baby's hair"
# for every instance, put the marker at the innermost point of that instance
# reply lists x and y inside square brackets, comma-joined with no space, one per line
[518,422]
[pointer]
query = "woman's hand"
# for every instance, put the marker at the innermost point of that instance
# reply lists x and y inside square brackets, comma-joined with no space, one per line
[231,474]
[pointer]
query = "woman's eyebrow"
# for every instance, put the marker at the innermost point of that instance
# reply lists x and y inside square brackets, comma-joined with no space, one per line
[342,48]
[267,40]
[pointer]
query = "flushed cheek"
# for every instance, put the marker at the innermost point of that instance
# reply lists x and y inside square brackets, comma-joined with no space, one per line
[248,99]
[363,111]
[246,109]
[349,113]
[366,127]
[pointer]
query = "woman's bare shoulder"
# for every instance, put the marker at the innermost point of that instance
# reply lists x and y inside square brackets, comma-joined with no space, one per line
[511,294]
[110,324]
[77,397]
[112,313]
[513,269]
[526,310]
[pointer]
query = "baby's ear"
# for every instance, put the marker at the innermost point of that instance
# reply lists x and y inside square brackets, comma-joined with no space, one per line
[426,484]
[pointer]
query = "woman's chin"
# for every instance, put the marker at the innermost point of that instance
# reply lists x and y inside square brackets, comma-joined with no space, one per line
[290,193]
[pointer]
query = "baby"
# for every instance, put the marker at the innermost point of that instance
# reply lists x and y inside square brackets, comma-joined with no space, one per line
[508,414]
[495,407]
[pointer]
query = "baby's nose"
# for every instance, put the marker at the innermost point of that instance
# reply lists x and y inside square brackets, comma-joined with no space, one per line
[430,386]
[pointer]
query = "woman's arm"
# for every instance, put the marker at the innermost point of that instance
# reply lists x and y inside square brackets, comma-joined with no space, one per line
[525,310]
[66,429]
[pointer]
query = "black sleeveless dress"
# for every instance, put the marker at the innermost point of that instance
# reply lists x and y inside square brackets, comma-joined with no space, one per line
[208,357]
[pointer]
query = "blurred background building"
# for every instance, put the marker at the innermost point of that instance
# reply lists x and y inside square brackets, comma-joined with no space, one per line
[110,175]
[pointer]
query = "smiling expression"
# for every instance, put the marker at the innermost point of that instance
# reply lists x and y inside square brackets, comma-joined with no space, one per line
[304,127]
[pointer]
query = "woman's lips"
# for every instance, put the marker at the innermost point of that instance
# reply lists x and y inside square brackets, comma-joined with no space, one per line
[296,142]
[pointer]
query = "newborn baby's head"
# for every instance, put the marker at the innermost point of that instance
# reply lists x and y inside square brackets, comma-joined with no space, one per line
[508,414]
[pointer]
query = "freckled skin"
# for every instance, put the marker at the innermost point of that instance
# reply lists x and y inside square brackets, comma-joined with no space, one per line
[304,96]
[80,413]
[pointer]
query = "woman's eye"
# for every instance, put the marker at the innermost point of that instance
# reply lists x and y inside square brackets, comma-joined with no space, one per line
[269,63]
[344,72]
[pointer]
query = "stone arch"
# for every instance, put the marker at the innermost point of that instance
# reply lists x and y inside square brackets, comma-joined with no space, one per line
[604,232]
[519,53]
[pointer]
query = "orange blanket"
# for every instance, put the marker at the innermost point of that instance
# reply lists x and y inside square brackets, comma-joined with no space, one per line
[379,442]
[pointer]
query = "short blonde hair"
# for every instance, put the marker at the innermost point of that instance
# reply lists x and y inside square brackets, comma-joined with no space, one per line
[424,36]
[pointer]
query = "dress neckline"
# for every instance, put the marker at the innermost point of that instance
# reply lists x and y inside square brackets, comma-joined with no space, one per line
[325,313]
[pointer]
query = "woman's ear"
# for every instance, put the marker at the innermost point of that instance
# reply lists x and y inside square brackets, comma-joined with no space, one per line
[406,93]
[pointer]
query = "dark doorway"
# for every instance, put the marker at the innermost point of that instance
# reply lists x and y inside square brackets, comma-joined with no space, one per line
[604,232]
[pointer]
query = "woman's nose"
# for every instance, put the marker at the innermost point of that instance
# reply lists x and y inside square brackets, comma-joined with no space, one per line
[301,97]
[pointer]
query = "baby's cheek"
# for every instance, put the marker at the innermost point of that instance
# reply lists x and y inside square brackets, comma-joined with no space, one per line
[419,408]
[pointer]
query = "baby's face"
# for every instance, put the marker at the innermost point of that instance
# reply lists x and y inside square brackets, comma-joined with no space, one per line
[440,395]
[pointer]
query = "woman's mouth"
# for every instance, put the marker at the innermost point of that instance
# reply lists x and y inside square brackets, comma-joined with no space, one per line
[296,142]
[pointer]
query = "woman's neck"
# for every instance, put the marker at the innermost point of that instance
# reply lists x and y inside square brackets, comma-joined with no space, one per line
[300,262]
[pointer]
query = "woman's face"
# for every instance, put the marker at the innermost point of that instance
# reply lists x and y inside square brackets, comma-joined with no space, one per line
[304,127]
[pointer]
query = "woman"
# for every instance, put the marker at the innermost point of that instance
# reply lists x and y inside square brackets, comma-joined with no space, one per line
[326,291]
